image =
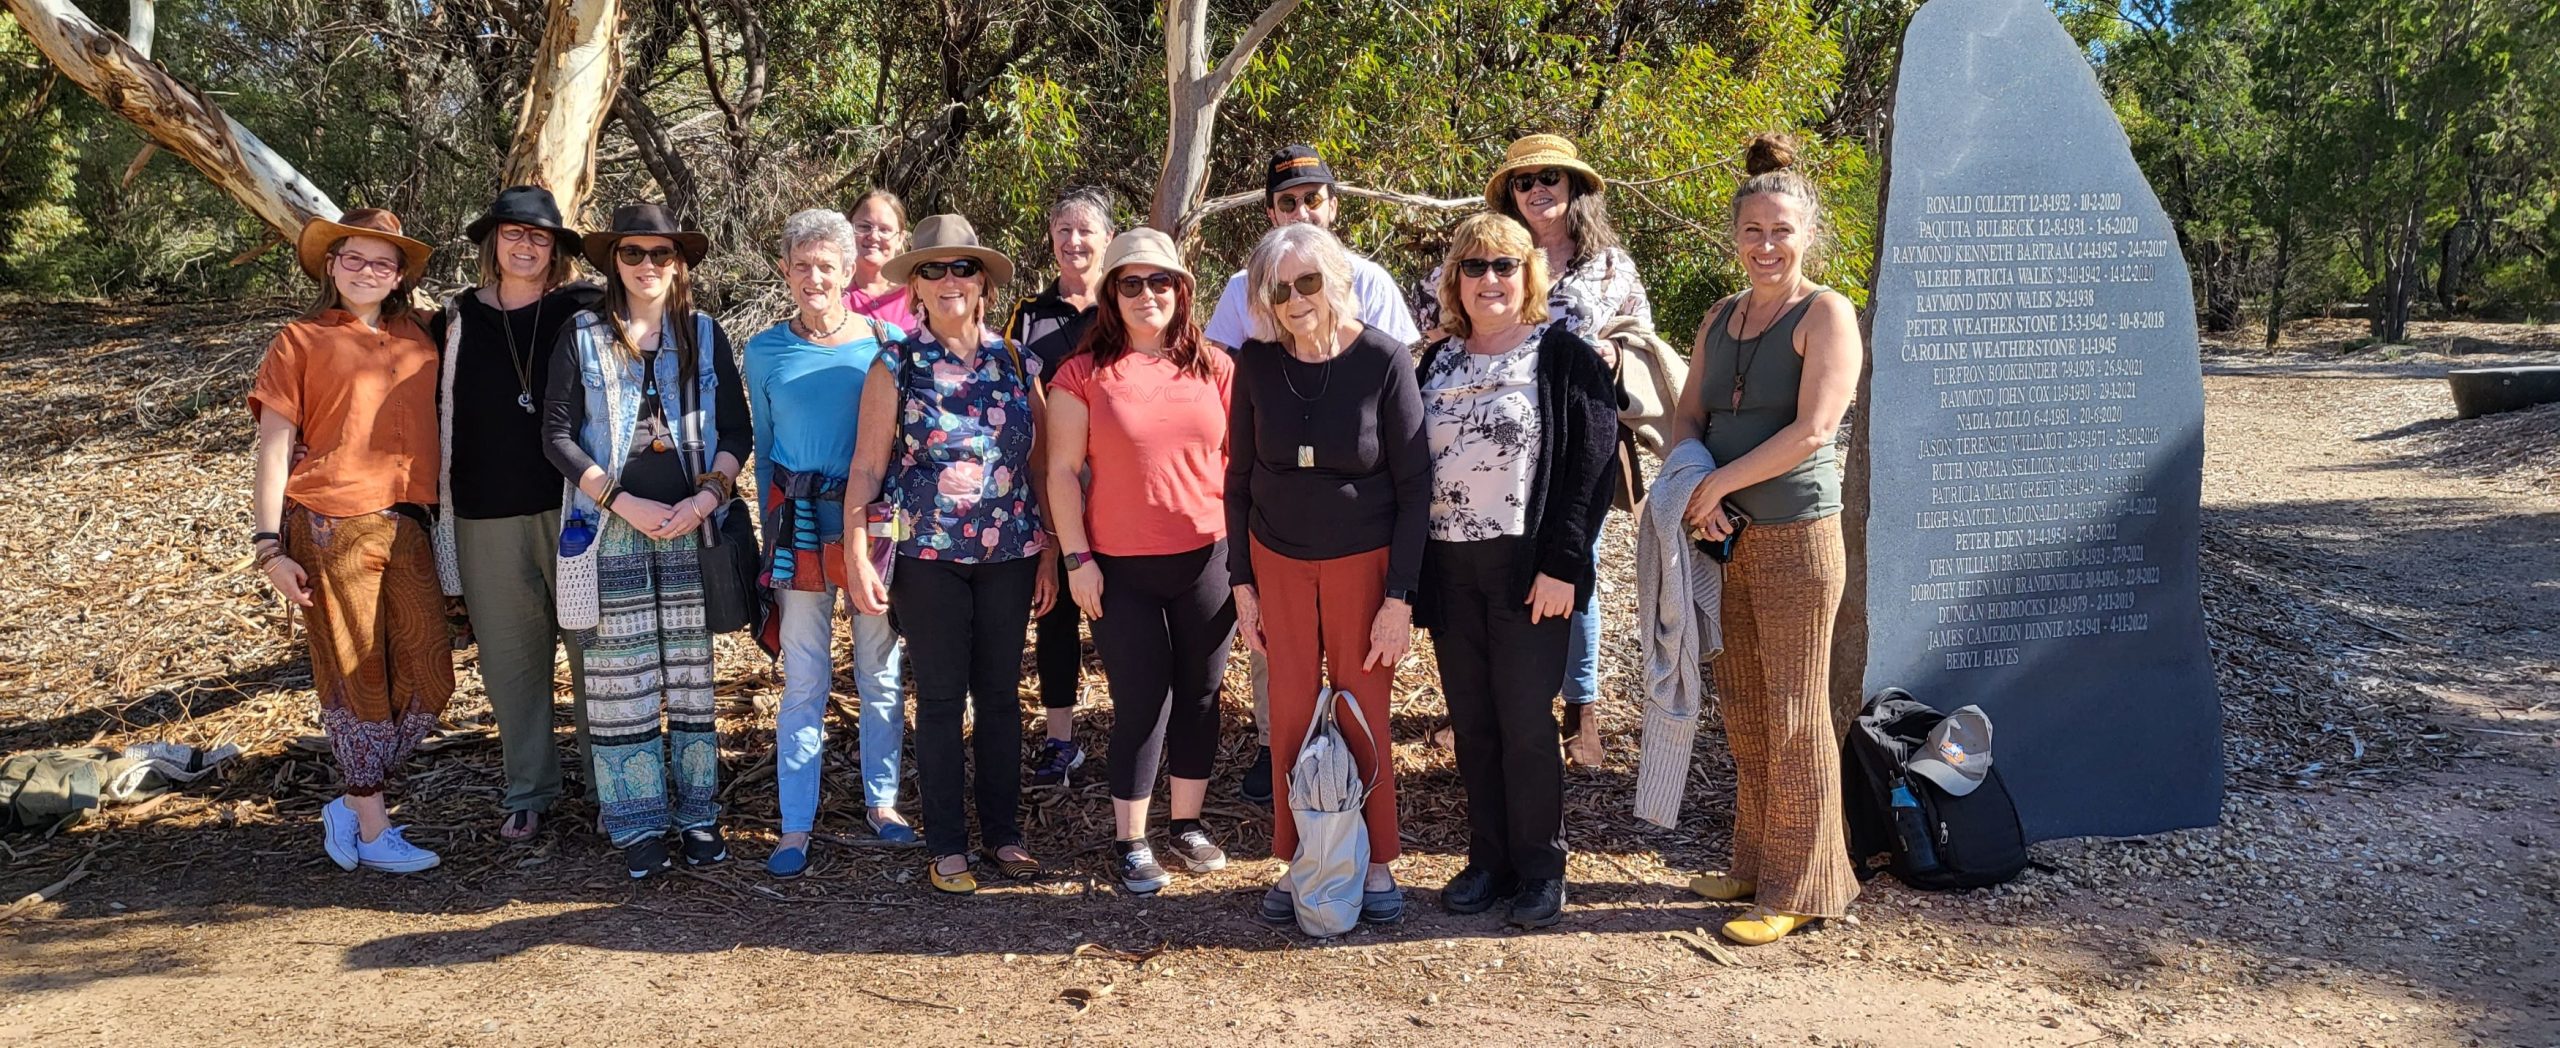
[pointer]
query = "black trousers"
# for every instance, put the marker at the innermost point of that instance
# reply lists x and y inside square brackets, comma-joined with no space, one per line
[963,625]
[1163,635]
[1500,674]
[1060,651]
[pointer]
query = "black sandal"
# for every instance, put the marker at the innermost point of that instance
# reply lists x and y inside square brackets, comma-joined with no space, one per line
[1022,869]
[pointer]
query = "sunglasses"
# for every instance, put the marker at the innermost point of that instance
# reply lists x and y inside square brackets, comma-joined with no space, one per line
[1548,178]
[1500,267]
[521,235]
[1133,286]
[634,254]
[1309,284]
[354,264]
[964,268]
[1290,203]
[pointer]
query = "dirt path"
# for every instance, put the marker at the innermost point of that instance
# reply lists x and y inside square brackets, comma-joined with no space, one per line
[2392,881]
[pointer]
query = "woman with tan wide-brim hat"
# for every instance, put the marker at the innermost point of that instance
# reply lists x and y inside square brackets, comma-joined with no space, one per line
[1544,184]
[1142,407]
[949,425]
[343,532]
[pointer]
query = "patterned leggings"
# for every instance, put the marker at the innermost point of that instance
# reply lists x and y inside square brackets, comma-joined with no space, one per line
[1773,684]
[381,653]
[648,654]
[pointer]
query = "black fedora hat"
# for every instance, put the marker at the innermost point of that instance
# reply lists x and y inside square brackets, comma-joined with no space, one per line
[644,220]
[524,206]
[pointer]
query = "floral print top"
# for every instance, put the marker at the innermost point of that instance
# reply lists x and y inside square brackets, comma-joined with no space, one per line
[962,475]
[1481,414]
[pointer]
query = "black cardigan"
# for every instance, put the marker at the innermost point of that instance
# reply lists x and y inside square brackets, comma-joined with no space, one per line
[1570,481]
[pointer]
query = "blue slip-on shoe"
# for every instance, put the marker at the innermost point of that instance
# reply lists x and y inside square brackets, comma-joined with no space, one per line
[787,863]
[895,835]
[1279,907]
[1386,907]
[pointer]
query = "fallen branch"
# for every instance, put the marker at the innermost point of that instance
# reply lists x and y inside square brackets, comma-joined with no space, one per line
[79,870]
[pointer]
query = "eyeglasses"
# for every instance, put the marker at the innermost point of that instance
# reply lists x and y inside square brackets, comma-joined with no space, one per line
[964,268]
[1500,267]
[634,254]
[867,229]
[1290,203]
[1133,285]
[354,264]
[1309,284]
[521,235]
[1548,177]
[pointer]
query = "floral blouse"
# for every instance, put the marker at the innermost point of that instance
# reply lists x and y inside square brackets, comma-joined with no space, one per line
[1481,414]
[963,472]
[1604,287]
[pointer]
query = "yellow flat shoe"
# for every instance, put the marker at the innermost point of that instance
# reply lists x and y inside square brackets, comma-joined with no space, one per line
[961,883]
[1723,888]
[1764,927]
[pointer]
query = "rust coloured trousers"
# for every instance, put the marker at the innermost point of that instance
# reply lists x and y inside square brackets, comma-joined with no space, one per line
[1773,684]
[1315,619]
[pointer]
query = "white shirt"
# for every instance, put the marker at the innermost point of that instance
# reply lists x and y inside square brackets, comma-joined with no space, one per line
[1381,307]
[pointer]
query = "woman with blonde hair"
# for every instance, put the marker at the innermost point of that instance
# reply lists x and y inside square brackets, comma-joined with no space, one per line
[949,438]
[1776,366]
[345,404]
[644,387]
[1328,503]
[879,221]
[1521,417]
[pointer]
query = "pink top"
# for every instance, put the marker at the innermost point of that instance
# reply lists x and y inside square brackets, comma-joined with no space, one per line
[1156,439]
[889,307]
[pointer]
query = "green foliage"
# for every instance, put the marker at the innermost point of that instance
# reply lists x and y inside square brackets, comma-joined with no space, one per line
[990,109]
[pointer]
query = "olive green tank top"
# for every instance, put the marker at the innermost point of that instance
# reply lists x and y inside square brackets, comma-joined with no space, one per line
[1750,388]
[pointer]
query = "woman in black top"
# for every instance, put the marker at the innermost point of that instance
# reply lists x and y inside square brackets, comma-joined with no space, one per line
[1522,417]
[1328,493]
[494,541]
[618,424]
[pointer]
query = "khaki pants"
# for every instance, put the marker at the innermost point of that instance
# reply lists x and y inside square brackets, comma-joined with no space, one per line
[507,566]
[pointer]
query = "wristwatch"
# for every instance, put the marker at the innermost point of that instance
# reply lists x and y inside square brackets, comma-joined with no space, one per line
[1077,560]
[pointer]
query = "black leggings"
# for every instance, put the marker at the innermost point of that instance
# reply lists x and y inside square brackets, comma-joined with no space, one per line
[1061,652]
[1163,634]
[963,625]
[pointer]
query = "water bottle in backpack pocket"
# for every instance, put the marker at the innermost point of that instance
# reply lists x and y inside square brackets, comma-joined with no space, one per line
[1919,787]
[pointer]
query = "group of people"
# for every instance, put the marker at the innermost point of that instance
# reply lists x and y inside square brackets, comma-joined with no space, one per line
[1319,469]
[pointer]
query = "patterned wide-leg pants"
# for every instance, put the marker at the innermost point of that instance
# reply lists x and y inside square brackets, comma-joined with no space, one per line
[381,652]
[649,655]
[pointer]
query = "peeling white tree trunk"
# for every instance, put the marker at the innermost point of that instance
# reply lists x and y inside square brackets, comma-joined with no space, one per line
[1193,93]
[571,92]
[179,118]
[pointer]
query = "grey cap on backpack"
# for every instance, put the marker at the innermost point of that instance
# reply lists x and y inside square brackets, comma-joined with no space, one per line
[1958,753]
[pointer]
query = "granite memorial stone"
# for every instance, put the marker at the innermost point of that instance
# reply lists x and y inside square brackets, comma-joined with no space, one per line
[2036,433]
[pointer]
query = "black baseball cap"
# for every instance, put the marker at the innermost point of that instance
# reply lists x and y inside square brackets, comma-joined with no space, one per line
[1296,164]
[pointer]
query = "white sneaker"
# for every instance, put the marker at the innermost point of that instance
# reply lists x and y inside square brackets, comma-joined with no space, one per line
[392,853]
[338,833]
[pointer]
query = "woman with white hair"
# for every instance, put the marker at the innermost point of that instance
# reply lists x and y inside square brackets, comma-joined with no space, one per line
[1329,486]
[804,386]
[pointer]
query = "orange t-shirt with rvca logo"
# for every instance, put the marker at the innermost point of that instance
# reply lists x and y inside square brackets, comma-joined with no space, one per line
[363,404]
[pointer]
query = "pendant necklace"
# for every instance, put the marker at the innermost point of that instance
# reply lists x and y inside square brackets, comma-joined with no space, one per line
[1307,405]
[1742,362]
[523,361]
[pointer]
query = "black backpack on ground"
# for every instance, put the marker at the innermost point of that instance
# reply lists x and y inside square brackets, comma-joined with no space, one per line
[1934,840]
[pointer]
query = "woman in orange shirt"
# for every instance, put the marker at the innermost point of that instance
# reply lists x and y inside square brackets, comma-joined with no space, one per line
[343,532]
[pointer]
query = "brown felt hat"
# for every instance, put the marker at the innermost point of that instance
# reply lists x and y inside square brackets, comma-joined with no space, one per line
[1532,152]
[941,238]
[311,247]
[643,220]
